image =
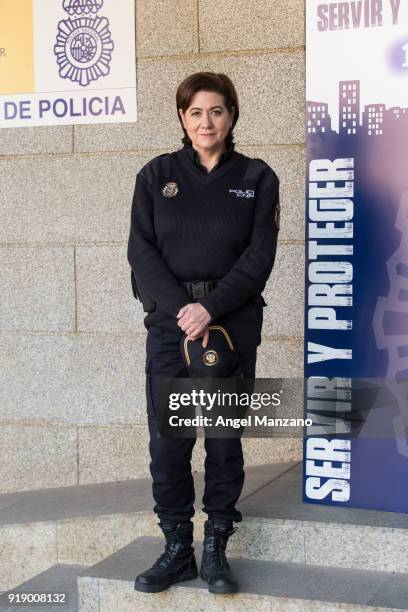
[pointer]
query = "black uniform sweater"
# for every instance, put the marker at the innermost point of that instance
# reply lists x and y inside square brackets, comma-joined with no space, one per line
[189,225]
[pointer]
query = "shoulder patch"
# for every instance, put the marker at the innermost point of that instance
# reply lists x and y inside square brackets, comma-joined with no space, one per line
[277,215]
[273,174]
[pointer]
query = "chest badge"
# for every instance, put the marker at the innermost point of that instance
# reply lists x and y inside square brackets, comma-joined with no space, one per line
[243,193]
[170,190]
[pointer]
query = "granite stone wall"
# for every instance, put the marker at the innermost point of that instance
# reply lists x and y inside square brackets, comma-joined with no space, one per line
[72,339]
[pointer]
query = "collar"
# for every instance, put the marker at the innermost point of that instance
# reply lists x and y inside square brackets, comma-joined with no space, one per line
[193,155]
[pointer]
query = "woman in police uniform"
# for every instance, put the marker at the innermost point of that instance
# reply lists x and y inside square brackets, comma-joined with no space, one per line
[204,227]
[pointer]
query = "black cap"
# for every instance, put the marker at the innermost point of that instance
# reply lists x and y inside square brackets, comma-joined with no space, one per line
[219,359]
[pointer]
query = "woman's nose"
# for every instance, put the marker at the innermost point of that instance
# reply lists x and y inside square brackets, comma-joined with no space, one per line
[207,119]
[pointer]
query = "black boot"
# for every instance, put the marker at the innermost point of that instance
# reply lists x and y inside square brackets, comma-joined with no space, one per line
[214,565]
[176,564]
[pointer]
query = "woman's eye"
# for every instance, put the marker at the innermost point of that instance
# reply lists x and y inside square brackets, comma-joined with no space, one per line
[197,113]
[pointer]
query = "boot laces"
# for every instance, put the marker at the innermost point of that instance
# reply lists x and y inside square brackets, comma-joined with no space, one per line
[216,557]
[170,552]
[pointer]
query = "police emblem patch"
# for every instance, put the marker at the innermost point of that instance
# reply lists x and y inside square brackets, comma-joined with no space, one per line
[277,216]
[170,190]
[210,357]
[84,46]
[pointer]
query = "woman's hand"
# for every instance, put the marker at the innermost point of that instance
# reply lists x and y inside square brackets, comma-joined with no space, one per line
[194,320]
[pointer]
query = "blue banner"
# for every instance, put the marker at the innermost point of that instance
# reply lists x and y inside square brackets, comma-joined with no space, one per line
[356,282]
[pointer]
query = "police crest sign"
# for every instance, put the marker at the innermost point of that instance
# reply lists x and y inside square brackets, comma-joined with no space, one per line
[84,44]
[66,62]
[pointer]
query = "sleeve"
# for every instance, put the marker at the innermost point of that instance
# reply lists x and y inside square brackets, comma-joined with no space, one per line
[144,257]
[249,274]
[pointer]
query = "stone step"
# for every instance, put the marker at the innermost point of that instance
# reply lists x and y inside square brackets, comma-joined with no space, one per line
[264,585]
[60,581]
[279,526]
[85,524]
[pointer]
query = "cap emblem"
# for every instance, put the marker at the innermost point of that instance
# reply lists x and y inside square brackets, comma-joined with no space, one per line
[210,357]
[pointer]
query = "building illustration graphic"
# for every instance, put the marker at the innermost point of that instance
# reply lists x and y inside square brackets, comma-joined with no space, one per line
[375,120]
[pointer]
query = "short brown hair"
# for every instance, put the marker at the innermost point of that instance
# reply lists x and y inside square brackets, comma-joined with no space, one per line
[207,81]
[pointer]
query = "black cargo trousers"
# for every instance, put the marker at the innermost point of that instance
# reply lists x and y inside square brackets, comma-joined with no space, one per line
[170,466]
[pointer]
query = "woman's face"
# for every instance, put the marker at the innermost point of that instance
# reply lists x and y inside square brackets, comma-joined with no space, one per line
[207,120]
